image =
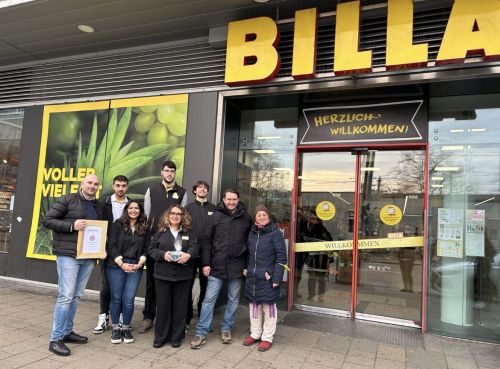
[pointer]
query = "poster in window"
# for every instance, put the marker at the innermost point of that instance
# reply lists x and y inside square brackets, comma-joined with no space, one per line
[474,232]
[450,233]
[130,137]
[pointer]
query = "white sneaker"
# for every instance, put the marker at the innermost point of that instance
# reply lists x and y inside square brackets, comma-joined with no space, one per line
[101,324]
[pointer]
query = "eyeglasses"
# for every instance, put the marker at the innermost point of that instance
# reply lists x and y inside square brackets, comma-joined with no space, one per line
[176,214]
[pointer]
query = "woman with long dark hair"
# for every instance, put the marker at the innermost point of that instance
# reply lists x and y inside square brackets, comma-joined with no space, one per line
[173,248]
[126,249]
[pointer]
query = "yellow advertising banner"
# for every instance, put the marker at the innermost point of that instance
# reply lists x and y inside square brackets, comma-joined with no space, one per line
[129,137]
[378,243]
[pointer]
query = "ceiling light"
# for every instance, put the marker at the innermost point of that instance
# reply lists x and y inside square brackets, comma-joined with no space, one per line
[261,1]
[456,130]
[85,28]
[283,169]
[268,137]
[370,169]
[447,169]
[4,161]
[482,202]
[264,151]
[452,148]
[478,130]
[438,178]
[437,186]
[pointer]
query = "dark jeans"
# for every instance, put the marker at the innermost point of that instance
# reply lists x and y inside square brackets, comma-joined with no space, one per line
[203,289]
[149,311]
[123,289]
[172,301]
[104,292]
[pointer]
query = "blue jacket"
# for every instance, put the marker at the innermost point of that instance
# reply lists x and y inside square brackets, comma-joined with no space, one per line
[266,251]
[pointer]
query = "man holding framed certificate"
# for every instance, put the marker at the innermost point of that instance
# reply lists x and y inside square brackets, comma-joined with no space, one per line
[69,215]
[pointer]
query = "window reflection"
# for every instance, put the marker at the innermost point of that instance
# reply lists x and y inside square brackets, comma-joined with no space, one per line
[11,122]
[464,204]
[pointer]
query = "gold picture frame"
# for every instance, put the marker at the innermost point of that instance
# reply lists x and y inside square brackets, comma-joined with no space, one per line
[91,242]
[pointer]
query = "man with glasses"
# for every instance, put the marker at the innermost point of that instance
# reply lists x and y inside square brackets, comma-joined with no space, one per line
[157,199]
[200,210]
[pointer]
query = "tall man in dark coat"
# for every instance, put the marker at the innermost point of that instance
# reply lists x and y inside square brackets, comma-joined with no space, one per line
[201,211]
[157,199]
[65,218]
[223,256]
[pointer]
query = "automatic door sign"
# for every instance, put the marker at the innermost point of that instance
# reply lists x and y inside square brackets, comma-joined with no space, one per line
[392,121]
[325,210]
[391,215]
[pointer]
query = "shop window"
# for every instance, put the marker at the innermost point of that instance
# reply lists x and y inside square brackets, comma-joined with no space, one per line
[11,124]
[259,158]
[464,214]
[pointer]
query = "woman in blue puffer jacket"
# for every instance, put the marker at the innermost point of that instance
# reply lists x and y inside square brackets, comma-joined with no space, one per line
[265,268]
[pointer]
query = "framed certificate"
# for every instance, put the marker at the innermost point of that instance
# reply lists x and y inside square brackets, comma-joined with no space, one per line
[92,240]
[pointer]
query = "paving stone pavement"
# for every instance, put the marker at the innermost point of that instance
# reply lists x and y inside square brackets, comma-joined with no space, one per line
[26,310]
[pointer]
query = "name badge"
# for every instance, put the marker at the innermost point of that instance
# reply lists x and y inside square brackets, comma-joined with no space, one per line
[175,195]
[210,212]
[185,238]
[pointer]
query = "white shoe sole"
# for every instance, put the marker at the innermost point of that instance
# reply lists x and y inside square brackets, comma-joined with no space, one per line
[128,341]
[116,341]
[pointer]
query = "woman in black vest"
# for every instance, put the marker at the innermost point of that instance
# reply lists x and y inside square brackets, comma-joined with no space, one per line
[173,248]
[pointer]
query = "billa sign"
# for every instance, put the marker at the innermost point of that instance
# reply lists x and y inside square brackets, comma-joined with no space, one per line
[473,29]
[391,121]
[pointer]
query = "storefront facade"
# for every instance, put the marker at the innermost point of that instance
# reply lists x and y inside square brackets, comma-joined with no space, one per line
[370,132]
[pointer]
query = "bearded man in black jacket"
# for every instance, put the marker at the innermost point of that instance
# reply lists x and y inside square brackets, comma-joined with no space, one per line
[223,256]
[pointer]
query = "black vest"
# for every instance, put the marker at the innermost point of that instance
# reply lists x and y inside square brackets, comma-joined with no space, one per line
[161,200]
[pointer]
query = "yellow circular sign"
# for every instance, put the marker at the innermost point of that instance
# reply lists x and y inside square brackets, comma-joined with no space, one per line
[325,210]
[391,215]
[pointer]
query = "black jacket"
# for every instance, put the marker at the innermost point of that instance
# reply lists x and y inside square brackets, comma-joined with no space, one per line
[107,210]
[201,213]
[224,246]
[172,271]
[60,219]
[266,253]
[116,245]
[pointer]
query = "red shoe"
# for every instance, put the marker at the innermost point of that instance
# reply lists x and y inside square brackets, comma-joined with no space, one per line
[249,341]
[264,346]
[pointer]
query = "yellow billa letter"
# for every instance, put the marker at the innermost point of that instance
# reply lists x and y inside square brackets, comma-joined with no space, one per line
[473,28]
[251,54]
[304,44]
[348,58]
[401,53]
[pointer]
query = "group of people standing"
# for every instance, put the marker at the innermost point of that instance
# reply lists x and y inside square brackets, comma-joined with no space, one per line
[176,241]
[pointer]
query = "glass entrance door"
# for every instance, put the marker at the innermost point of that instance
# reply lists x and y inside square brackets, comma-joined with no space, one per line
[360,226]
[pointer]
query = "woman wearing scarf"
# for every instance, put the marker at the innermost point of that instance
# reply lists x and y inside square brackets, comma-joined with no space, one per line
[265,268]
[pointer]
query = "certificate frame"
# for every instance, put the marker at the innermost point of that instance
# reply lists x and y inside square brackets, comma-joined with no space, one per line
[101,226]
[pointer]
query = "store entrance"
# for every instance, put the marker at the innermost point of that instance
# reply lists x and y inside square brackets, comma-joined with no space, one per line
[373,199]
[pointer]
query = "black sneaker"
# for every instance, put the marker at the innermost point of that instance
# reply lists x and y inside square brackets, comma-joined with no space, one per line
[116,336]
[127,336]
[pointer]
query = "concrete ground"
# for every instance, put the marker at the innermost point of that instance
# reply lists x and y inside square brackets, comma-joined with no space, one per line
[302,340]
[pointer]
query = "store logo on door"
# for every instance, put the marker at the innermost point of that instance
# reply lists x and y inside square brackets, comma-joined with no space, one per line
[393,121]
